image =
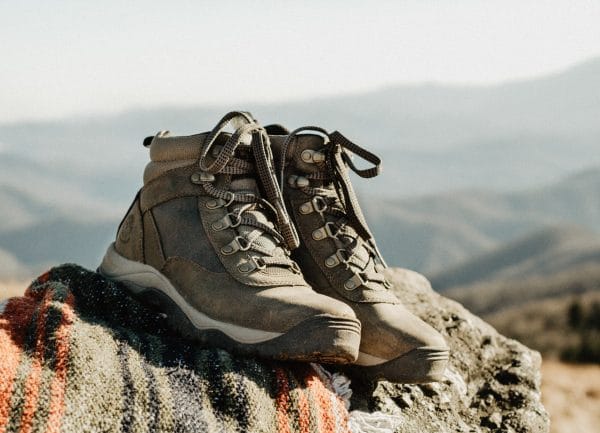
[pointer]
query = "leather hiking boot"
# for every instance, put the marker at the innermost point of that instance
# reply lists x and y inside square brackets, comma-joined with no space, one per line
[339,258]
[207,241]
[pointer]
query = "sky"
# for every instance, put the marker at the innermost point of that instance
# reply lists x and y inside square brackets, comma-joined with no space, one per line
[72,58]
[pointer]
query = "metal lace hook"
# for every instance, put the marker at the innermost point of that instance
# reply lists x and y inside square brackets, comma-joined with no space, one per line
[287,142]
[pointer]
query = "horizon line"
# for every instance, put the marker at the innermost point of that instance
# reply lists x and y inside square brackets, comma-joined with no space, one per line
[209,105]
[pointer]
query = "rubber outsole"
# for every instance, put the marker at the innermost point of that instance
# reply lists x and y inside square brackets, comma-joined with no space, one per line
[321,338]
[420,365]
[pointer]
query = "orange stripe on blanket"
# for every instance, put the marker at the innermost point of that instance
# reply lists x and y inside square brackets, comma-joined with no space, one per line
[32,385]
[37,294]
[44,278]
[59,382]
[322,396]
[282,401]
[14,323]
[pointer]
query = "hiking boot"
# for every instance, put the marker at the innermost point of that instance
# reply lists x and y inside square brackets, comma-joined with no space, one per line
[207,242]
[339,258]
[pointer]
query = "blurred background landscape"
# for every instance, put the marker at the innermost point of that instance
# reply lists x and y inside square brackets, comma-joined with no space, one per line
[492,192]
[490,187]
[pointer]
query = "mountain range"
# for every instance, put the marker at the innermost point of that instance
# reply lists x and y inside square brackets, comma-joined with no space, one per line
[543,289]
[441,232]
[466,169]
[543,254]
[432,138]
[434,233]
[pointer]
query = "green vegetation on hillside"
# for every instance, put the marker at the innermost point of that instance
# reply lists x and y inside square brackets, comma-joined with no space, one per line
[585,321]
[544,325]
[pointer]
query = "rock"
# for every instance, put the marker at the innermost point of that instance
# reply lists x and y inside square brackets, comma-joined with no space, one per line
[492,383]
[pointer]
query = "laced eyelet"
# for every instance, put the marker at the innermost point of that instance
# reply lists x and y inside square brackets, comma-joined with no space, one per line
[221,224]
[243,243]
[332,261]
[319,234]
[319,204]
[312,156]
[295,267]
[354,282]
[324,232]
[255,263]
[259,262]
[229,249]
[236,221]
[329,231]
[306,208]
[337,258]
[246,267]
[230,200]
[215,203]
[201,177]
[227,222]
[238,243]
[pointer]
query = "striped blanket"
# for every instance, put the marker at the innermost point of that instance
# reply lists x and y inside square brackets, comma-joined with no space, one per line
[78,355]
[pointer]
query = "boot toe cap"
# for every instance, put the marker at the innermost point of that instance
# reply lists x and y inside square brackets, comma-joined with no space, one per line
[398,346]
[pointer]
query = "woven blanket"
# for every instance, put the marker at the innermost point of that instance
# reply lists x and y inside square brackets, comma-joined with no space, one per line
[77,354]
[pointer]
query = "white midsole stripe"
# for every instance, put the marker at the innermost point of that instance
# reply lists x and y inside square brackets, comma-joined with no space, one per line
[367,360]
[139,276]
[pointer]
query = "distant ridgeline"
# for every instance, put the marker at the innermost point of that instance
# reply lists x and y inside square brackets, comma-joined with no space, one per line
[439,144]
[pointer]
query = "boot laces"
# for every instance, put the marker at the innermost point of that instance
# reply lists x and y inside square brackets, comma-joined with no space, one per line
[335,200]
[243,206]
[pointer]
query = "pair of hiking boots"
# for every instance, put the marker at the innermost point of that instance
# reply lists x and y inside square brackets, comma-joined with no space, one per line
[253,241]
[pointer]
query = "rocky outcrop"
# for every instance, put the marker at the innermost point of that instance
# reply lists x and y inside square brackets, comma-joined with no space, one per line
[103,360]
[491,385]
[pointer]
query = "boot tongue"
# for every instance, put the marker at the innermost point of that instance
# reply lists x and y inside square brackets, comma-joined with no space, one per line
[244,184]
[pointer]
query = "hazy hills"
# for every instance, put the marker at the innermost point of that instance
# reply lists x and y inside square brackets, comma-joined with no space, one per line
[432,138]
[542,254]
[466,169]
[434,233]
[531,297]
[533,278]
[527,289]
[429,233]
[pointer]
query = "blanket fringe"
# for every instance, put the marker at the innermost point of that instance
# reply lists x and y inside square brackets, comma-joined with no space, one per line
[376,422]
[337,382]
[359,421]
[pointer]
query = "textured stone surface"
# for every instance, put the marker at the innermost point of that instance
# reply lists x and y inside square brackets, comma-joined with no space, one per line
[492,383]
